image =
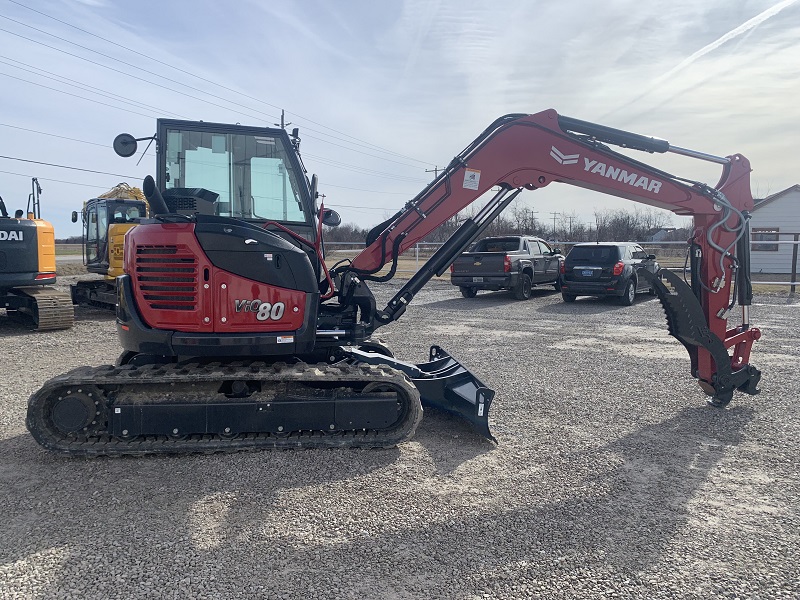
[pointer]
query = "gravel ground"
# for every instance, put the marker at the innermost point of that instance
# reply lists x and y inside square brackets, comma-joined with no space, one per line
[611,479]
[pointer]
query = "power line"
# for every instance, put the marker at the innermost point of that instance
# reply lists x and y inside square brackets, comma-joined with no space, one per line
[361,190]
[321,159]
[129,65]
[364,170]
[94,62]
[154,116]
[116,44]
[36,162]
[166,88]
[47,87]
[62,137]
[365,207]
[98,187]
[570,218]
[71,82]
[103,187]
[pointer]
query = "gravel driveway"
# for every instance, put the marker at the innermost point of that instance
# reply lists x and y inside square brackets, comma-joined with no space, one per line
[611,479]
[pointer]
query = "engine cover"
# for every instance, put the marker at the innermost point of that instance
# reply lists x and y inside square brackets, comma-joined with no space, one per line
[217,275]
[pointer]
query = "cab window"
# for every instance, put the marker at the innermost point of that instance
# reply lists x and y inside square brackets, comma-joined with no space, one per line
[91,234]
[255,176]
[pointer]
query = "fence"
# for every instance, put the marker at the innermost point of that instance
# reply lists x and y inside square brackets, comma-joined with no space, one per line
[670,255]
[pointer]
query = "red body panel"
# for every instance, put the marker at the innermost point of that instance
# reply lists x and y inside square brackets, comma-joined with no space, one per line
[178,289]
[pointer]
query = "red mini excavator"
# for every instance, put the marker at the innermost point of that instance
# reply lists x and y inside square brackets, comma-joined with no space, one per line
[236,336]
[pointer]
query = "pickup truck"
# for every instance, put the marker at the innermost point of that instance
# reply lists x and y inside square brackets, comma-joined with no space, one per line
[509,262]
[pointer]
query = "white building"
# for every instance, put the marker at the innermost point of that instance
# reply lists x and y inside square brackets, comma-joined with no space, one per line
[774,218]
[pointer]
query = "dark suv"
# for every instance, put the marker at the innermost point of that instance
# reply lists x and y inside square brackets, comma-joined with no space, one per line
[606,269]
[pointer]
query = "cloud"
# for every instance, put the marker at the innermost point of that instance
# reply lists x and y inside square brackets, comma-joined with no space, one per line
[418,78]
[736,32]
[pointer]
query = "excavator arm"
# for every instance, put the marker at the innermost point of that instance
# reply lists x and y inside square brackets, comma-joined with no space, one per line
[520,152]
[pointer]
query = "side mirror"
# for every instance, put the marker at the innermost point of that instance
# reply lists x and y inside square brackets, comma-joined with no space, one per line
[331,218]
[651,257]
[125,145]
[555,251]
[74,216]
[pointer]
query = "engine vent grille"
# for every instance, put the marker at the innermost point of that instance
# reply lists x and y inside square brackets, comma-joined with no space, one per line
[177,203]
[167,277]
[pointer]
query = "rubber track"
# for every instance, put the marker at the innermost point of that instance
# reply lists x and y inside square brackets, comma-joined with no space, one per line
[54,309]
[103,444]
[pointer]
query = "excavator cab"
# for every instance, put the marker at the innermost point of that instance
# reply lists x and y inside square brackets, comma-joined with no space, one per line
[252,174]
[106,220]
[256,172]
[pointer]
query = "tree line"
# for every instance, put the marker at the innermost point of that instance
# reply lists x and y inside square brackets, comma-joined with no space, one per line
[636,225]
[609,225]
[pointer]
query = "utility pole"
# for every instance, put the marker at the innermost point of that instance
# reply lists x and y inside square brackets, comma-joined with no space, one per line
[570,226]
[282,124]
[555,214]
[533,219]
[435,170]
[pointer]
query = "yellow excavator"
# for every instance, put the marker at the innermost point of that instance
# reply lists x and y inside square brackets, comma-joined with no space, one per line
[106,219]
[28,267]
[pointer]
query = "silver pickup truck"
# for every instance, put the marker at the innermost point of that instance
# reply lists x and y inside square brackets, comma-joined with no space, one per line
[509,262]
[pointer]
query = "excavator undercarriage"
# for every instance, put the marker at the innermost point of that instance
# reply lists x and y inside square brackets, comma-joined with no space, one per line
[216,407]
[364,399]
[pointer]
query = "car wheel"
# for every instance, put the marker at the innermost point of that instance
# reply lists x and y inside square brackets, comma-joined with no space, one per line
[468,292]
[630,293]
[557,285]
[523,289]
[568,297]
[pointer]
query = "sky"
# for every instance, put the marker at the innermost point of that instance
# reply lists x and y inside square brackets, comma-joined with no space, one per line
[384,93]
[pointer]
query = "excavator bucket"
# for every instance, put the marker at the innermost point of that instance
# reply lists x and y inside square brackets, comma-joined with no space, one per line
[443,383]
[687,323]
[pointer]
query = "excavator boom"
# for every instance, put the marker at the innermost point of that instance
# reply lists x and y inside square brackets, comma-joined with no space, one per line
[531,151]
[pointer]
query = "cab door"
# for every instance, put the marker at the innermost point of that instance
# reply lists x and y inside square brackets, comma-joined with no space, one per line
[538,261]
[90,235]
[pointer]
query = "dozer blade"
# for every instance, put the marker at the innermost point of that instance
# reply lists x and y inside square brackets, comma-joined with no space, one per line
[443,383]
[687,323]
